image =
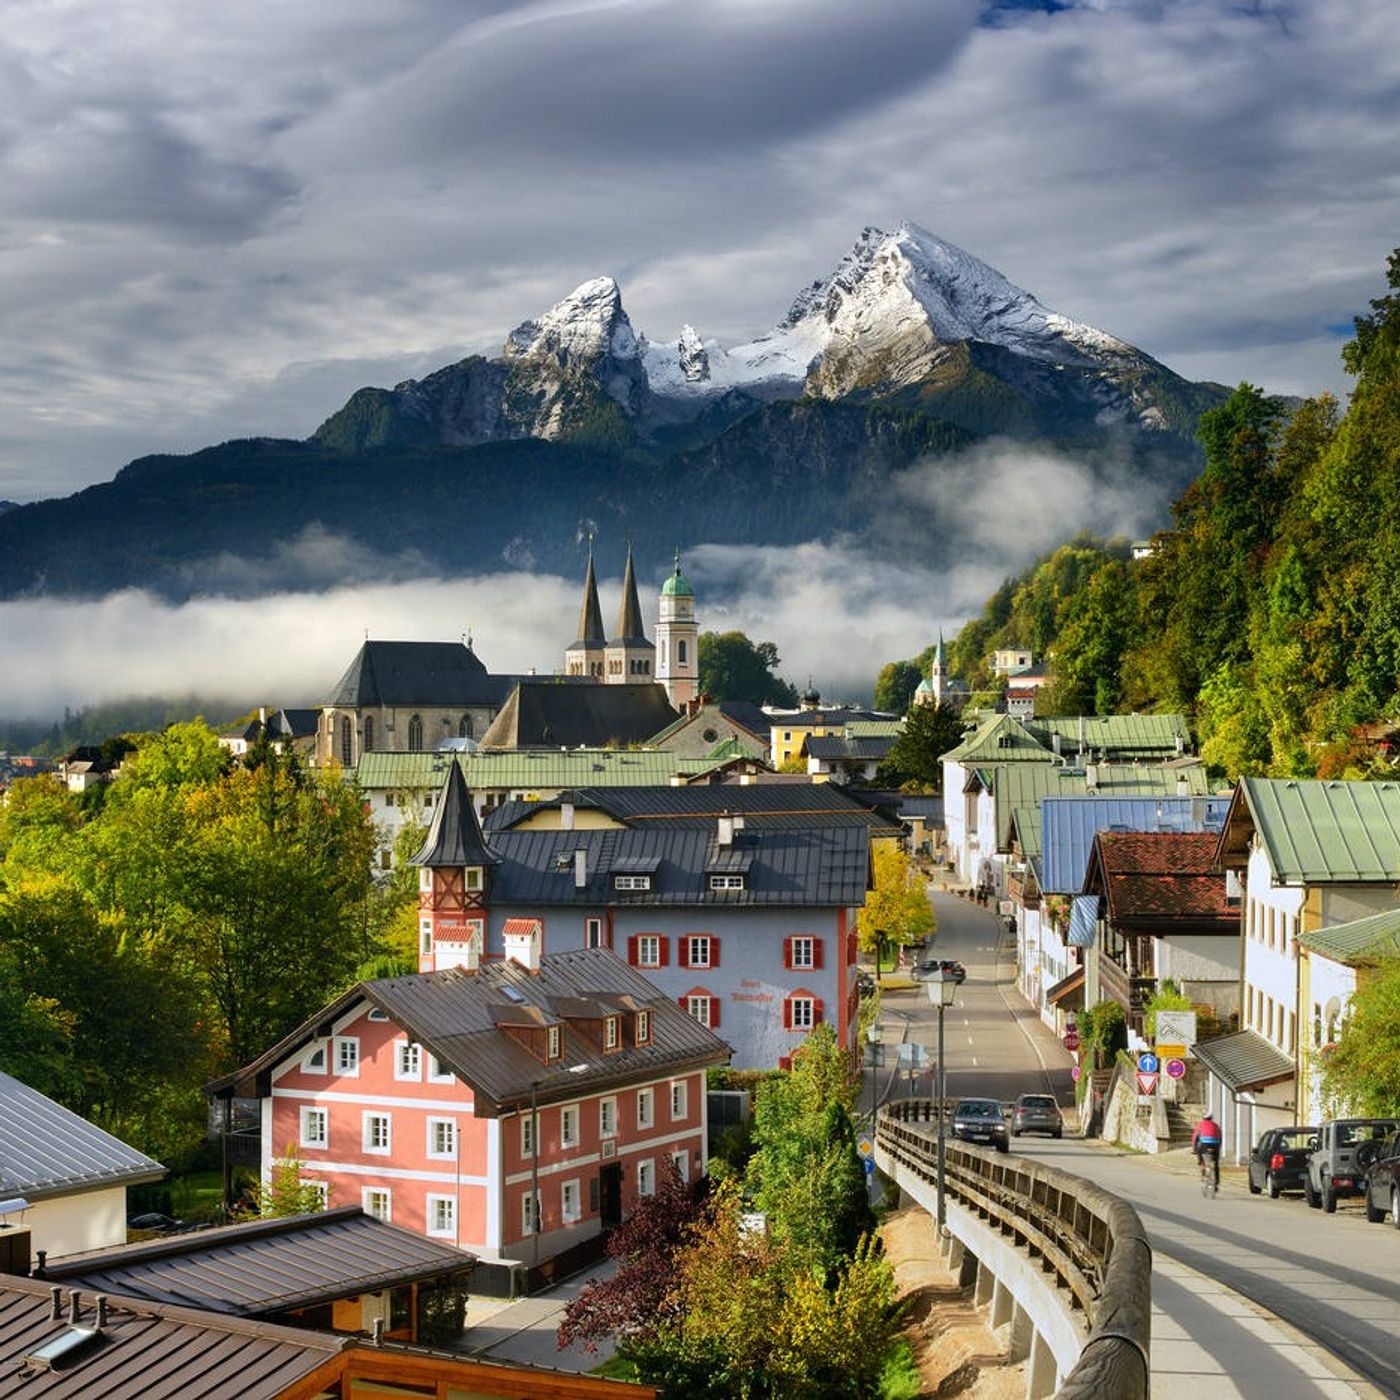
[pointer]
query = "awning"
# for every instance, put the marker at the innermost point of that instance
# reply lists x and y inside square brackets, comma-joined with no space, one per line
[1244,1060]
[1083,921]
[1068,992]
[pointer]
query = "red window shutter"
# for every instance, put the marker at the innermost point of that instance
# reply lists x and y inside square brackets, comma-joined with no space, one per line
[787,1013]
[684,1004]
[818,1009]
[632,949]
[682,952]
[787,954]
[818,953]
[714,952]
[852,947]
[714,1012]
[663,955]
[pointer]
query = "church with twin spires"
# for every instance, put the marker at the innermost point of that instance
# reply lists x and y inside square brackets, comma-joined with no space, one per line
[628,658]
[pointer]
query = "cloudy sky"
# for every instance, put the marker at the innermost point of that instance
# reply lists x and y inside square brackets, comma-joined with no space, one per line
[218,220]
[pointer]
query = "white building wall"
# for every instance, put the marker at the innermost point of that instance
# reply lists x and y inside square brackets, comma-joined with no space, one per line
[70,1224]
[1269,939]
[1331,986]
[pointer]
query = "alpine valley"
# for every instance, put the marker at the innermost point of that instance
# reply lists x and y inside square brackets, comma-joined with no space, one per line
[911,351]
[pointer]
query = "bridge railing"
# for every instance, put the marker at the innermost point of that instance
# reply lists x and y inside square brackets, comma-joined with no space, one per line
[1091,1242]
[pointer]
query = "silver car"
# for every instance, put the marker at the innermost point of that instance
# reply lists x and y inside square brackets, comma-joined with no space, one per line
[1037,1113]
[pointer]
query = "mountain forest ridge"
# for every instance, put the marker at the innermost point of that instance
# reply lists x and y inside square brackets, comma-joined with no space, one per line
[911,351]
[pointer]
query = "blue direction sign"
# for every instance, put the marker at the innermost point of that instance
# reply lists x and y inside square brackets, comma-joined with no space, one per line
[869,1167]
[1147,1063]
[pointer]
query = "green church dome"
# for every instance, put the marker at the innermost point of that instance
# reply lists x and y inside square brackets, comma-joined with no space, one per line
[677,586]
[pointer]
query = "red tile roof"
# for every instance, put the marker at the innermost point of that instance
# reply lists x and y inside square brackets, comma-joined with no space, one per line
[1164,875]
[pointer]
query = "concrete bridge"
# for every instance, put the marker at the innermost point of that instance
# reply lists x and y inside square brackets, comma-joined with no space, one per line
[1066,1264]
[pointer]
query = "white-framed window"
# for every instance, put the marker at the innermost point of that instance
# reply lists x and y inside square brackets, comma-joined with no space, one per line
[554,1042]
[631,882]
[607,1118]
[314,1061]
[646,1108]
[679,1098]
[529,1213]
[437,1072]
[378,1133]
[314,1127]
[527,1136]
[473,877]
[442,1138]
[699,1008]
[377,1202]
[441,1215]
[408,1060]
[698,950]
[321,1189]
[726,882]
[648,950]
[425,934]
[643,1027]
[347,1055]
[568,1126]
[592,933]
[646,1178]
[570,1202]
[804,952]
[802,1014]
[425,874]
[681,1162]
[611,1033]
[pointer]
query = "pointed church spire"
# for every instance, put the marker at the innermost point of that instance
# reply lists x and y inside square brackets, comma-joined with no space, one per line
[454,838]
[590,615]
[629,619]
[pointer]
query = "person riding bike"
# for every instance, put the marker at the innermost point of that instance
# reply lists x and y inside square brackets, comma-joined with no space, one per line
[1206,1139]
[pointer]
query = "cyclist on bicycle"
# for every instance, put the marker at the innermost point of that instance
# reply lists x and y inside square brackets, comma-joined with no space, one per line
[1206,1139]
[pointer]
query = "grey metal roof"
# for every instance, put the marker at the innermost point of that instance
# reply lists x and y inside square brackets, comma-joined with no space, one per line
[554,712]
[454,838]
[853,748]
[458,1016]
[416,673]
[1243,1060]
[267,1266]
[823,867]
[1069,825]
[154,1352]
[46,1150]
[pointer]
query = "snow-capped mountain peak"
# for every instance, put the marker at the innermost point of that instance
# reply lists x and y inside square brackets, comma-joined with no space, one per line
[584,326]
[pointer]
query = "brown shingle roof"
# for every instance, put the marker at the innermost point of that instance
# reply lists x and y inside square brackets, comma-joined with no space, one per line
[1159,875]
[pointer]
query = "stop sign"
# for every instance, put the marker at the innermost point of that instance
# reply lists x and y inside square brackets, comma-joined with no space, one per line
[1071,1039]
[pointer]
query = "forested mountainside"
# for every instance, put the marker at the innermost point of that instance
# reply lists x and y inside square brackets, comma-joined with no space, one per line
[1271,611]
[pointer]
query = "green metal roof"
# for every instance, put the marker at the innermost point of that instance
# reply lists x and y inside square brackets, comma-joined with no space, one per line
[529,768]
[999,739]
[1362,940]
[1026,827]
[1319,832]
[1155,733]
[875,728]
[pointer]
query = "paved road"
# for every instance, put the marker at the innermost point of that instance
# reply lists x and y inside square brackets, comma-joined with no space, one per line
[1334,1278]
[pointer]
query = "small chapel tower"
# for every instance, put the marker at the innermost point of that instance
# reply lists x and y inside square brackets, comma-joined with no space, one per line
[676,639]
[629,657]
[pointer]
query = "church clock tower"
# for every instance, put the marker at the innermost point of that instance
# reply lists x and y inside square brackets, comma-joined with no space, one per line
[677,665]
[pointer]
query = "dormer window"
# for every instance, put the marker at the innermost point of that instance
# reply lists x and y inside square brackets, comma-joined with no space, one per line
[726,882]
[553,1043]
[631,882]
[611,1034]
[643,1027]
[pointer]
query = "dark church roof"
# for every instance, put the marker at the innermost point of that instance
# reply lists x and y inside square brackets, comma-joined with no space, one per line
[630,631]
[443,674]
[544,714]
[455,837]
[590,614]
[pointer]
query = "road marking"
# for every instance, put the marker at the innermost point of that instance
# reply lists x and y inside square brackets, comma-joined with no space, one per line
[974,1062]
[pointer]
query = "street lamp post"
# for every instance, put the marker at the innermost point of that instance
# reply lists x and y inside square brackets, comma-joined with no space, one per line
[941,991]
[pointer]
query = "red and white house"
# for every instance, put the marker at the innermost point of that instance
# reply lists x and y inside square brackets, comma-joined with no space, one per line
[490,1106]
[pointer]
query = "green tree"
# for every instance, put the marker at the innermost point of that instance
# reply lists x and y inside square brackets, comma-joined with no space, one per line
[731,667]
[896,684]
[897,908]
[1363,1074]
[285,1193]
[914,760]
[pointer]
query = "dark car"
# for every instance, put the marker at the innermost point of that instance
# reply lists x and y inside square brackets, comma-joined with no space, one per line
[981,1120]
[1037,1113]
[1383,1183]
[1279,1161]
[947,966]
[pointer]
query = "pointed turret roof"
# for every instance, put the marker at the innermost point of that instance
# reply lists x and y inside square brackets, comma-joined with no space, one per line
[630,631]
[590,615]
[455,836]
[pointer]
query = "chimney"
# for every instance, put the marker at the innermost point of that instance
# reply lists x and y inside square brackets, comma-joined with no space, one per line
[566,816]
[725,836]
[1055,743]
[378,1338]
[1091,776]
[101,1301]
[262,715]
[75,1307]
[580,869]
[1183,788]
[1181,743]
[1083,743]
[56,1303]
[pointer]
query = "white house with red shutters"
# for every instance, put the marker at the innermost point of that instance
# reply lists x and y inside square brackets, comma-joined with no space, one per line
[510,1110]
[750,931]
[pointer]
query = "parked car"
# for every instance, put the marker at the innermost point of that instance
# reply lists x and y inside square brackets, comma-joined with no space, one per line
[1279,1160]
[949,967]
[981,1120]
[1346,1147]
[1383,1184]
[1037,1113]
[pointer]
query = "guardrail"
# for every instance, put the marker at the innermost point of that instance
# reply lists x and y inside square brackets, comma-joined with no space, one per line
[1092,1242]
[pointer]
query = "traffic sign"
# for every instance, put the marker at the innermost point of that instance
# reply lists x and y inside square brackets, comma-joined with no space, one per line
[1075,1072]
[1147,1063]
[1166,1050]
[866,1148]
[869,1167]
[1071,1039]
[1147,1083]
[1175,1068]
